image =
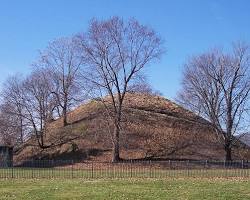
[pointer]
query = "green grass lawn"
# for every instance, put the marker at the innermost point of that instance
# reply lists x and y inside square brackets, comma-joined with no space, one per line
[70,189]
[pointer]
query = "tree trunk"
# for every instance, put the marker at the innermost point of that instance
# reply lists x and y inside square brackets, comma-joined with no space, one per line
[65,122]
[228,150]
[116,146]
[21,130]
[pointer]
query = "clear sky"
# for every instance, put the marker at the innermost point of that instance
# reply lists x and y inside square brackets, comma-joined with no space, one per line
[187,26]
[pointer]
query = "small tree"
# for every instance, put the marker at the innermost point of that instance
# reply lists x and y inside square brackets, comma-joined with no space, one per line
[115,51]
[38,103]
[9,126]
[12,108]
[62,64]
[216,85]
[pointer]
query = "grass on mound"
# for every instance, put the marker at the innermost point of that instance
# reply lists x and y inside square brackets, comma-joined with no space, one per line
[72,189]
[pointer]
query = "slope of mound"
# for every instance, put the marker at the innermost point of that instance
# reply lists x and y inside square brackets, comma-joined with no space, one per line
[153,127]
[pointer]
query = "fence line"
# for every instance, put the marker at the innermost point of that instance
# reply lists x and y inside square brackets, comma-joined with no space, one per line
[125,169]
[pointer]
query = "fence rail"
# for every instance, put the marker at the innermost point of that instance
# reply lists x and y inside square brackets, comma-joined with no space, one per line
[126,169]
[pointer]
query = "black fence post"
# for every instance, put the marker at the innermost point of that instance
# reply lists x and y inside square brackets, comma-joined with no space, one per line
[150,169]
[12,171]
[32,165]
[92,170]
[131,169]
[52,166]
[72,175]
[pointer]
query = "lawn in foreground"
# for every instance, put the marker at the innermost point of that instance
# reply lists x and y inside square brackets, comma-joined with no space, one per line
[70,189]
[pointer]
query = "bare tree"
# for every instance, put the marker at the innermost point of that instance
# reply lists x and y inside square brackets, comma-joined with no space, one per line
[144,88]
[9,126]
[12,105]
[115,51]
[62,64]
[216,85]
[38,103]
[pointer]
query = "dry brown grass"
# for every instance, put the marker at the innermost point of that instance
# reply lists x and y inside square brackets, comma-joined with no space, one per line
[153,127]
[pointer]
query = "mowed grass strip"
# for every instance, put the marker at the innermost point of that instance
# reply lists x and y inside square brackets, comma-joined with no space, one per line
[71,189]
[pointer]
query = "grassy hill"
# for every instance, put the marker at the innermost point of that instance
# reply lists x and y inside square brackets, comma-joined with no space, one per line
[153,128]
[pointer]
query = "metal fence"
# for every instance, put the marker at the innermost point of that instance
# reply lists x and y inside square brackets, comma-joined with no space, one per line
[125,169]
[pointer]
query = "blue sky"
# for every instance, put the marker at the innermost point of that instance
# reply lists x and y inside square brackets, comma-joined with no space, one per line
[188,27]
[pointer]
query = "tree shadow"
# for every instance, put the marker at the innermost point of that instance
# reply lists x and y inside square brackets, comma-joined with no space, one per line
[60,159]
